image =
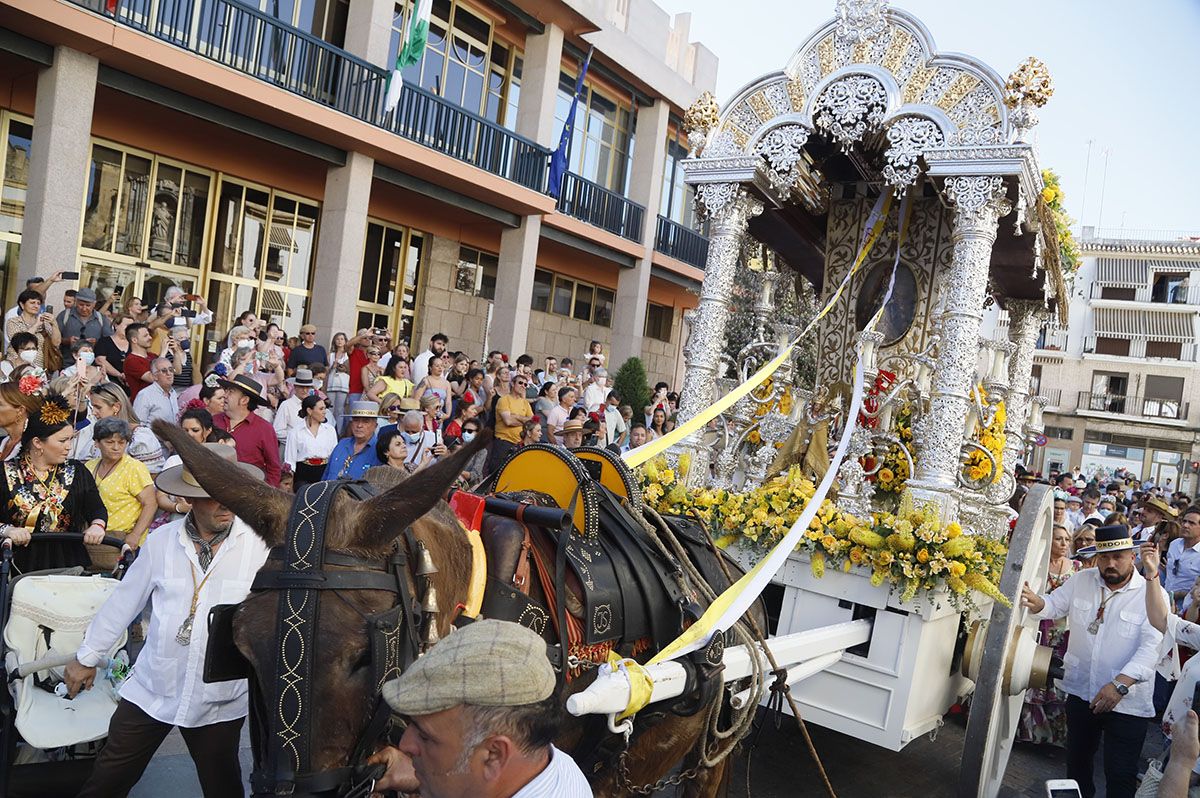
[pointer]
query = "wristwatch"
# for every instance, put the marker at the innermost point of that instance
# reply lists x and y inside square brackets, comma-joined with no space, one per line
[1123,689]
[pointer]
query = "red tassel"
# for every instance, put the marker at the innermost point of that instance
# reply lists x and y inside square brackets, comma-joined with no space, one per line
[110,6]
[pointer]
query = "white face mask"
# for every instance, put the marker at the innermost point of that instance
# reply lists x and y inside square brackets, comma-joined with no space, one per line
[87,358]
[28,355]
[317,384]
[468,436]
[245,343]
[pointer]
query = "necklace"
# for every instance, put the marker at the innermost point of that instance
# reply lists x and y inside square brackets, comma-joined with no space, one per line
[1094,626]
[184,636]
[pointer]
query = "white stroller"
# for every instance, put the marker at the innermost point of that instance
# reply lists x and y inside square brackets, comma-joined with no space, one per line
[47,740]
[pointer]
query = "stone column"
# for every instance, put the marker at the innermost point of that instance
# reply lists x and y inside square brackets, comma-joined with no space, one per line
[58,167]
[978,205]
[509,329]
[729,209]
[369,30]
[633,285]
[340,246]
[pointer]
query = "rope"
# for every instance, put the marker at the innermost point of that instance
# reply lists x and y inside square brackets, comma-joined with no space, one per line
[748,618]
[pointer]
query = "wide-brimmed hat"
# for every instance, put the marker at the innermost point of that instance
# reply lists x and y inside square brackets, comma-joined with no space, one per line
[1161,506]
[410,403]
[572,425]
[1109,539]
[247,385]
[365,409]
[178,481]
[303,378]
[486,664]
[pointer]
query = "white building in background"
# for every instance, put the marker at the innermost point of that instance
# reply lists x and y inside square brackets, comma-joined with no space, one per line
[1122,380]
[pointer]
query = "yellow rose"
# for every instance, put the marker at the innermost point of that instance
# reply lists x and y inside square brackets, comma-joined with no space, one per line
[886,475]
[953,530]
[923,556]
[957,569]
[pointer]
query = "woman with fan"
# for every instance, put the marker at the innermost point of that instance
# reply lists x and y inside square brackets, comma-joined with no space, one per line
[42,491]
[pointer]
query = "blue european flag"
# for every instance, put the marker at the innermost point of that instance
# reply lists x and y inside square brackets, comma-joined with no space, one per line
[558,161]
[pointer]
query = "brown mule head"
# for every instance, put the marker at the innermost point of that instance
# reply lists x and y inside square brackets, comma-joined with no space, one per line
[343,686]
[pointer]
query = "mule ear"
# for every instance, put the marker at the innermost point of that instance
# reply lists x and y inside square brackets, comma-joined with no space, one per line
[383,518]
[261,506]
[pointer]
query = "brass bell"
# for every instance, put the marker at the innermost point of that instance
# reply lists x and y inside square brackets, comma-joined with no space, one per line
[431,635]
[429,602]
[425,565]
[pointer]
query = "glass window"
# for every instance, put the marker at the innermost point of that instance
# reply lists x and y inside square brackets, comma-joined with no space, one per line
[658,322]
[15,176]
[564,291]
[603,311]
[412,269]
[135,197]
[583,302]
[104,183]
[475,272]
[391,267]
[1170,288]
[368,284]
[489,265]
[601,145]
[543,283]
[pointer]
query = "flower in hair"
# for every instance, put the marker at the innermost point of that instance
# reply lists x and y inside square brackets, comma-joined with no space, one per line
[31,383]
[54,411]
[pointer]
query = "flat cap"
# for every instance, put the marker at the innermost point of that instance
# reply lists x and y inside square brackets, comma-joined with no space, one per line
[486,663]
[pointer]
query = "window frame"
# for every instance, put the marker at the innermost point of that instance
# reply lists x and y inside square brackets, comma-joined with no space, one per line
[558,281]
[393,316]
[11,240]
[479,271]
[669,312]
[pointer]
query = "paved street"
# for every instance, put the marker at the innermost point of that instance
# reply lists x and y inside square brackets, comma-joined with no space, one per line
[780,767]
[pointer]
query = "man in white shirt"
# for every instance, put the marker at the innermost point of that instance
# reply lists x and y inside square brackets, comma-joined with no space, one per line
[158,399]
[420,363]
[614,424]
[558,415]
[1154,511]
[482,717]
[1110,662]
[596,391]
[287,415]
[185,568]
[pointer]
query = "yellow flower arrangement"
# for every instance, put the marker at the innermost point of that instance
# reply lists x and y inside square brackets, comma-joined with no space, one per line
[992,437]
[892,476]
[910,549]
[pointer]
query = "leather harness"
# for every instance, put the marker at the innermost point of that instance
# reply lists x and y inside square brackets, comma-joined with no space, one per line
[283,726]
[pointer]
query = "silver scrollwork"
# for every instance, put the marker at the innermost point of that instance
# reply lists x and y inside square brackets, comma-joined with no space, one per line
[783,148]
[850,107]
[910,137]
[861,20]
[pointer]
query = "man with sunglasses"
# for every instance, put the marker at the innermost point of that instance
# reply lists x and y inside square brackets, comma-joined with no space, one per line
[308,352]
[512,411]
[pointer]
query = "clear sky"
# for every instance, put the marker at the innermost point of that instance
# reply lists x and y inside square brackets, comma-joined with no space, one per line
[1125,77]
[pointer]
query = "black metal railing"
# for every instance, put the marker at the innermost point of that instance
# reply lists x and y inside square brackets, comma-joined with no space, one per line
[257,44]
[596,205]
[684,243]
[441,125]
[1141,406]
[1053,396]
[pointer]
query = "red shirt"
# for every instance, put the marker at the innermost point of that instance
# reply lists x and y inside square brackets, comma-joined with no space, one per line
[135,367]
[256,443]
[358,359]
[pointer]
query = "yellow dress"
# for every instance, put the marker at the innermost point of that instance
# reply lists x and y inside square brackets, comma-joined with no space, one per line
[119,490]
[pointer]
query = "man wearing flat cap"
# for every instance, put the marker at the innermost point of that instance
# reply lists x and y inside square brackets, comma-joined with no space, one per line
[183,569]
[1110,662]
[482,716]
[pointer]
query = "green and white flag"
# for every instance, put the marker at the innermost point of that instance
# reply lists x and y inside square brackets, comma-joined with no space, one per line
[411,50]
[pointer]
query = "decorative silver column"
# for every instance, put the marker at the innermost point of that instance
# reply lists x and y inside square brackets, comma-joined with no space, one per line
[729,209]
[978,205]
[1025,318]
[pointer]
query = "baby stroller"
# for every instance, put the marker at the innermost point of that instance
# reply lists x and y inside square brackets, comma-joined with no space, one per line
[47,741]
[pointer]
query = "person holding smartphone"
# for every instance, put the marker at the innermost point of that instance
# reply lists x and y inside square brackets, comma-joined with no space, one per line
[1175,630]
[31,319]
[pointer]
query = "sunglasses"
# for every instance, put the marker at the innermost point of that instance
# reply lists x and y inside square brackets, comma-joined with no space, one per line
[394,409]
[521,382]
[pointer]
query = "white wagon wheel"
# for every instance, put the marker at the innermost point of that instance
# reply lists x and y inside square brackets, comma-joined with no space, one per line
[1002,656]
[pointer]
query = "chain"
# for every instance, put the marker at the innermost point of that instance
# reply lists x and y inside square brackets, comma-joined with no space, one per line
[625,782]
[575,663]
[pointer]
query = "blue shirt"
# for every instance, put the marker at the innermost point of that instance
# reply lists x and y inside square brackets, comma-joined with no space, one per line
[1182,567]
[344,464]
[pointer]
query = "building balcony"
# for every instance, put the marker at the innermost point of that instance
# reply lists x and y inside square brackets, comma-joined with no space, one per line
[1183,298]
[1166,350]
[1137,407]
[680,242]
[1053,396]
[592,203]
[257,44]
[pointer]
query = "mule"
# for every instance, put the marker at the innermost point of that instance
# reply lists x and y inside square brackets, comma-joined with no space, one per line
[368,530]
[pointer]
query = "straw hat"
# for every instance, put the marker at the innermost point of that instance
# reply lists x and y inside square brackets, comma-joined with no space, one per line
[1160,505]
[365,409]
[178,481]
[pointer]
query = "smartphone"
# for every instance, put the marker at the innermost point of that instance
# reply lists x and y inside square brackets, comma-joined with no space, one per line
[117,291]
[70,275]
[1062,788]
[187,313]
[48,309]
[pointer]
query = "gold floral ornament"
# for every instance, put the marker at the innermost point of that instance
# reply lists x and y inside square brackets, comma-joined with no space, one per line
[992,437]
[700,119]
[54,411]
[1030,83]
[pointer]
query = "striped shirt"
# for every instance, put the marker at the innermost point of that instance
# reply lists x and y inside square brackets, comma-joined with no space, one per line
[562,778]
